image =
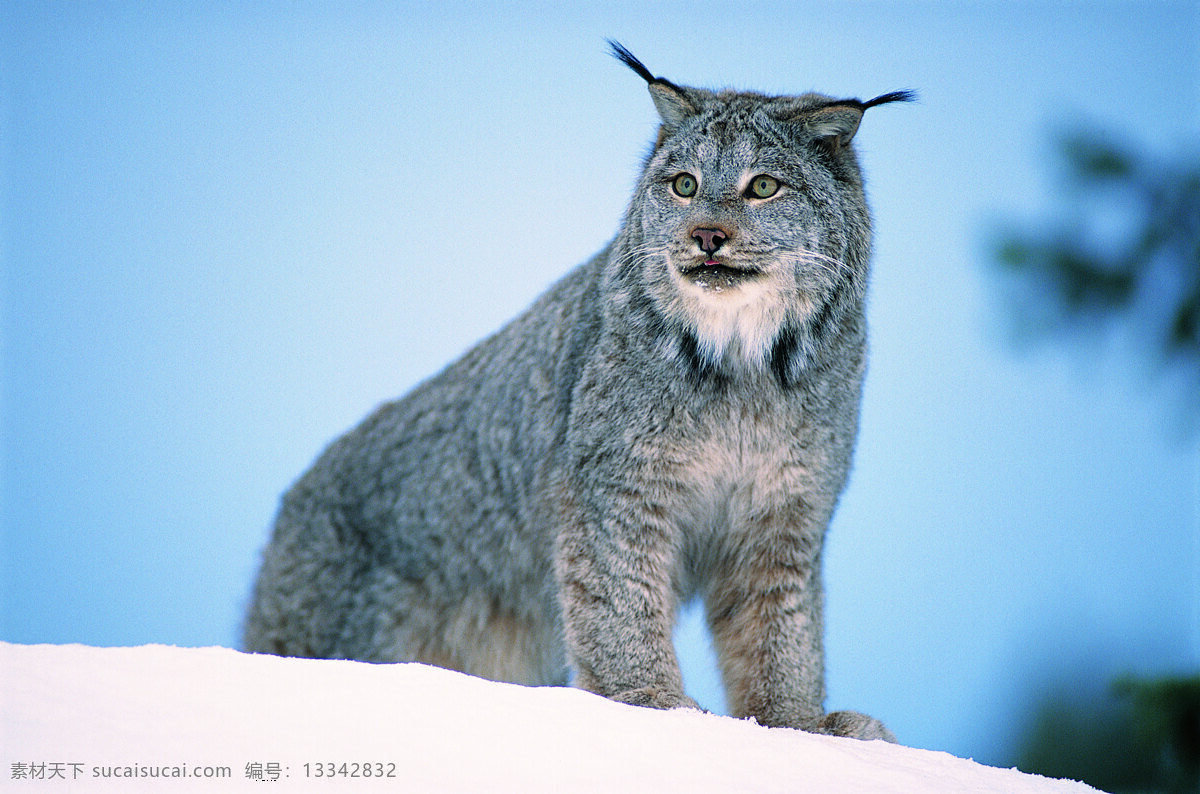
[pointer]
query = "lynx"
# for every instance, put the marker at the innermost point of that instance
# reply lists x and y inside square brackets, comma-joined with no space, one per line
[674,418]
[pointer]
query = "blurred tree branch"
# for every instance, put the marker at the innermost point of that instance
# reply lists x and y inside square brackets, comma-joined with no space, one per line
[1124,249]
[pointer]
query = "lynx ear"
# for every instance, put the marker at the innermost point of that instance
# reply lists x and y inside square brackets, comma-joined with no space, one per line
[834,126]
[673,107]
[670,100]
[831,125]
[834,123]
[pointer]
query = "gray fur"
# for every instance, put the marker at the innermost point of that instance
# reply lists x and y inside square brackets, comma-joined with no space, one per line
[650,429]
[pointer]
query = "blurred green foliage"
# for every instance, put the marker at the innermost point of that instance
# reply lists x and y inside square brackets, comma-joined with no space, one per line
[1143,738]
[1124,247]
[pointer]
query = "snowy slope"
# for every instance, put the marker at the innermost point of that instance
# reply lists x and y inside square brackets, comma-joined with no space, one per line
[112,718]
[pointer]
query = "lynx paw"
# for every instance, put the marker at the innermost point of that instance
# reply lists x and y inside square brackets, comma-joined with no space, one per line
[652,697]
[854,725]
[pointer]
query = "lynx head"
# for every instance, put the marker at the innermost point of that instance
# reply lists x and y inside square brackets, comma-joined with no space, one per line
[749,229]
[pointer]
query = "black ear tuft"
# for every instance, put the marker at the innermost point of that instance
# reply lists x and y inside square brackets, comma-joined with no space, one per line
[892,96]
[629,59]
[622,54]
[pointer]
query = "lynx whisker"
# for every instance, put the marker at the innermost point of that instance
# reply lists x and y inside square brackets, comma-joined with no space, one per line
[838,270]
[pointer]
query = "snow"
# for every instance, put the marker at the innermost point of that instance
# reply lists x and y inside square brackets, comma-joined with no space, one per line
[95,713]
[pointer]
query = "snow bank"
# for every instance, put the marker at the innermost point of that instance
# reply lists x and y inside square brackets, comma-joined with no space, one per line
[156,718]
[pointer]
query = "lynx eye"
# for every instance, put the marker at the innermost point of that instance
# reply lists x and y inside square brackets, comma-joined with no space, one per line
[763,186]
[684,185]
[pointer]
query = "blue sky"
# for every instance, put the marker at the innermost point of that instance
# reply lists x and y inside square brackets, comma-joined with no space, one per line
[229,231]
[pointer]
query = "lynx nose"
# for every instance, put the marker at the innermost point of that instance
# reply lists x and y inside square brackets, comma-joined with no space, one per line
[709,239]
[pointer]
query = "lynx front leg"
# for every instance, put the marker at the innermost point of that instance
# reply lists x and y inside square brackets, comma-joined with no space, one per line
[766,617]
[764,610]
[614,576]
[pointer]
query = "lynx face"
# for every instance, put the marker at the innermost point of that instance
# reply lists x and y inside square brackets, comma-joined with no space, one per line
[749,226]
[751,229]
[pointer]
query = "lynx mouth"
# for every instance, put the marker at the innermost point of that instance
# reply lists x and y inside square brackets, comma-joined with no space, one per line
[713,275]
